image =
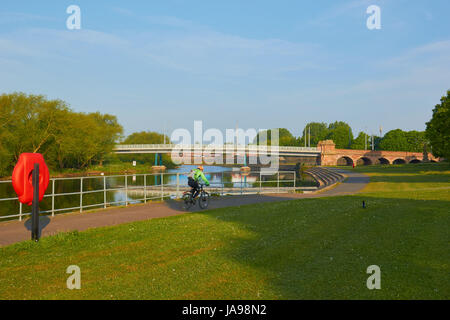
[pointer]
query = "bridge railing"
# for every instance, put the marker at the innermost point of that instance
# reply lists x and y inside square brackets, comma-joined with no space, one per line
[223,147]
[91,192]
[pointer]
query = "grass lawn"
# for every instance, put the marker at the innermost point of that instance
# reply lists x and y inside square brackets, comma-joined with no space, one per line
[303,249]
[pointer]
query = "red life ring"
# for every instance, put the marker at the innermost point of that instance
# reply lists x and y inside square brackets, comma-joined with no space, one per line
[22,177]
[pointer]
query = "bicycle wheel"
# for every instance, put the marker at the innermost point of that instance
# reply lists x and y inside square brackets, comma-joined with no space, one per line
[204,200]
[187,200]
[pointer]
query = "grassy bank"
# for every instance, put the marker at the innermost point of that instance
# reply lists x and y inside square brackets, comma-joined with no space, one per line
[303,249]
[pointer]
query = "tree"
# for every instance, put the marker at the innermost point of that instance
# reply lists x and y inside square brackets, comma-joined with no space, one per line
[318,130]
[364,142]
[438,128]
[32,123]
[341,134]
[395,140]
[360,143]
[285,137]
[416,140]
[146,137]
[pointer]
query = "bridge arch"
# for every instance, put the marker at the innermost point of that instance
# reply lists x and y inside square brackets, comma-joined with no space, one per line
[384,161]
[364,161]
[345,161]
[399,161]
[415,161]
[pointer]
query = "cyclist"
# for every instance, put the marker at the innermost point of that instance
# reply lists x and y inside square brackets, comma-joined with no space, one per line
[194,178]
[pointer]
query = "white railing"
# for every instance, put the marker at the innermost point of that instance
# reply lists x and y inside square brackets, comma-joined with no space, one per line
[257,148]
[243,183]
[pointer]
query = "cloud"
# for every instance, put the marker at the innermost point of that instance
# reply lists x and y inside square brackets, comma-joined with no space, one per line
[123,11]
[210,52]
[420,55]
[189,49]
[170,21]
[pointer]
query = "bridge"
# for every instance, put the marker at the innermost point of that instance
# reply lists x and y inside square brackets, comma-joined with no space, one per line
[330,156]
[225,149]
[324,154]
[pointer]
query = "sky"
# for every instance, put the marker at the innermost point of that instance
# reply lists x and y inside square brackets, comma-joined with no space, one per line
[161,65]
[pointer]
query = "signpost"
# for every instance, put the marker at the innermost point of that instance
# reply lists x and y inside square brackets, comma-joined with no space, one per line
[35,204]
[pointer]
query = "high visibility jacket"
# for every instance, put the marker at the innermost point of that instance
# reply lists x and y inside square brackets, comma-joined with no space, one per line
[198,174]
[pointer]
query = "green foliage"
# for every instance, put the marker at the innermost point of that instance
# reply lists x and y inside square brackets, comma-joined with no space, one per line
[146,137]
[284,135]
[364,141]
[360,142]
[395,140]
[319,131]
[399,140]
[341,133]
[30,123]
[438,128]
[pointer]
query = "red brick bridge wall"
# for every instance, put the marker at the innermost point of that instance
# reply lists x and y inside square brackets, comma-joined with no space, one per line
[330,155]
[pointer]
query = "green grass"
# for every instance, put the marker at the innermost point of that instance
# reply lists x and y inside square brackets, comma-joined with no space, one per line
[303,249]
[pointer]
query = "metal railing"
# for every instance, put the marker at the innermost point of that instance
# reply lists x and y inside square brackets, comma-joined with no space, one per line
[151,187]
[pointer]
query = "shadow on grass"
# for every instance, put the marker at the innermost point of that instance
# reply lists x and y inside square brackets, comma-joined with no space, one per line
[428,178]
[403,168]
[43,222]
[321,248]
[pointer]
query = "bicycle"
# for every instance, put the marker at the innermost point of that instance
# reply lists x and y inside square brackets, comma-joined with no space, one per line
[203,197]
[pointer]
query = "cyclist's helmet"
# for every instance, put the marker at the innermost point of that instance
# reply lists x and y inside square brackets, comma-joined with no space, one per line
[200,168]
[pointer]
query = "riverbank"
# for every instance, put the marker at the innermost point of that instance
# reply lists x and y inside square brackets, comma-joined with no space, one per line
[107,169]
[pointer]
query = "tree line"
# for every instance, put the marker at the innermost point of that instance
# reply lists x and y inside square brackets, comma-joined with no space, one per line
[146,137]
[342,135]
[67,139]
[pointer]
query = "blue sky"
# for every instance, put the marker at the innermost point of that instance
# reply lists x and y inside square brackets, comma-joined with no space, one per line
[265,64]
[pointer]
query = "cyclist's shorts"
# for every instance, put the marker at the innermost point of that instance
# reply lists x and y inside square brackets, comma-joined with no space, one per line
[192,183]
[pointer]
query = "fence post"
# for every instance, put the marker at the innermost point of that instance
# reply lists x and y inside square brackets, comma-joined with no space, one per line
[20,211]
[295,178]
[162,186]
[178,186]
[278,181]
[104,192]
[223,184]
[260,182]
[126,190]
[241,184]
[53,198]
[81,194]
[145,188]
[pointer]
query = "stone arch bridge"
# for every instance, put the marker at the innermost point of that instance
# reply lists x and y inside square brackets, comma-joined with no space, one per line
[330,156]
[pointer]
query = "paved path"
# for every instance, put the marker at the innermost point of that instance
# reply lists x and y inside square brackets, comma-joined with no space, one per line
[16,231]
